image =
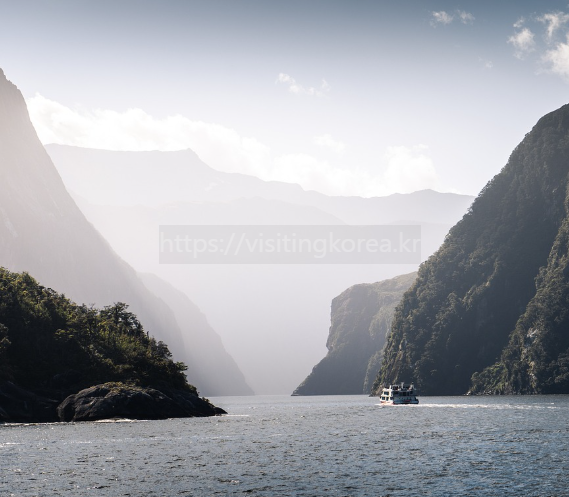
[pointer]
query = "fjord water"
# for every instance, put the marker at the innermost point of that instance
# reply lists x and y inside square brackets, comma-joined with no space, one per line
[303,446]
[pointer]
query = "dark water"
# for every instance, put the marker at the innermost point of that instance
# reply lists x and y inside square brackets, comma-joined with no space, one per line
[303,446]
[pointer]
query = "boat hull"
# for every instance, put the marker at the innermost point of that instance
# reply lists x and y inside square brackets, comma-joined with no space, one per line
[399,402]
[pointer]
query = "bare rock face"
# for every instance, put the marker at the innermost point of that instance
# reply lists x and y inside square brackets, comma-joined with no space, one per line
[116,400]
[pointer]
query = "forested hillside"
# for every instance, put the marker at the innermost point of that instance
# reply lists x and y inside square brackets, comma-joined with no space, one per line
[492,301]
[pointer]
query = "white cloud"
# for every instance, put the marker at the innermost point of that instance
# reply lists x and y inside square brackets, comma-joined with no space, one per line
[316,174]
[441,17]
[444,18]
[298,89]
[306,170]
[326,141]
[220,147]
[523,42]
[465,17]
[488,64]
[558,59]
[551,48]
[409,170]
[405,169]
[553,21]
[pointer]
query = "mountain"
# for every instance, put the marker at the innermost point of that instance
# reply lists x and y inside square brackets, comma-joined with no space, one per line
[43,232]
[63,362]
[156,178]
[361,320]
[273,319]
[208,361]
[488,312]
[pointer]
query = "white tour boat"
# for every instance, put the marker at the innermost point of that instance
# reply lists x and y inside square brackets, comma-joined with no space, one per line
[399,394]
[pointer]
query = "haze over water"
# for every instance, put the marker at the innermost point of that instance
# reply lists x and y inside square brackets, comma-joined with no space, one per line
[316,446]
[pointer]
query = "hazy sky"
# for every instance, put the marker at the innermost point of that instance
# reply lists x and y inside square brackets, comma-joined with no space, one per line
[345,97]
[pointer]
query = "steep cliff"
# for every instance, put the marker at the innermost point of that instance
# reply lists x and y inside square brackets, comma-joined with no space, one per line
[492,301]
[361,319]
[536,360]
[43,232]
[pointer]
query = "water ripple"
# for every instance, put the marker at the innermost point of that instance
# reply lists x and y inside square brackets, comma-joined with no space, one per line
[306,447]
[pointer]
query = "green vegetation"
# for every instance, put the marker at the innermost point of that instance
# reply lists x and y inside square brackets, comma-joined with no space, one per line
[536,360]
[51,345]
[489,310]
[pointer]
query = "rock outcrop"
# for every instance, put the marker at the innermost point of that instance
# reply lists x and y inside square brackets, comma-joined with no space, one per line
[116,400]
[361,320]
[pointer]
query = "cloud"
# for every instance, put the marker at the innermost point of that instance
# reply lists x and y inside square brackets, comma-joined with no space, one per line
[444,18]
[326,141]
[409,169]
[558,59]
[488,64]
[402,169]
[220,147]
[325,86]
[553,21]
[310,172]
[550,48]
[465,17]
[441,17]
[523,42]
[298,89]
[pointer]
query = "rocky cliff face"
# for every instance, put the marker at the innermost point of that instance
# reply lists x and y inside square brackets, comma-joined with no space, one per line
[361,319]
[43,232]
[492,301]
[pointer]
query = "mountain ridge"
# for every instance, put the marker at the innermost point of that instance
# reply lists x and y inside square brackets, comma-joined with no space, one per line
[274,355]
[199,181]
[466,323]
[43,232]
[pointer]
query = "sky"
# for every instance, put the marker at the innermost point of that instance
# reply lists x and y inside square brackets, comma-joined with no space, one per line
[344,97]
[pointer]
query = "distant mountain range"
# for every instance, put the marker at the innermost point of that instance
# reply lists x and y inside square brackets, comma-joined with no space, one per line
[159,178]
[272,318]
[43,232]
[488,312]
